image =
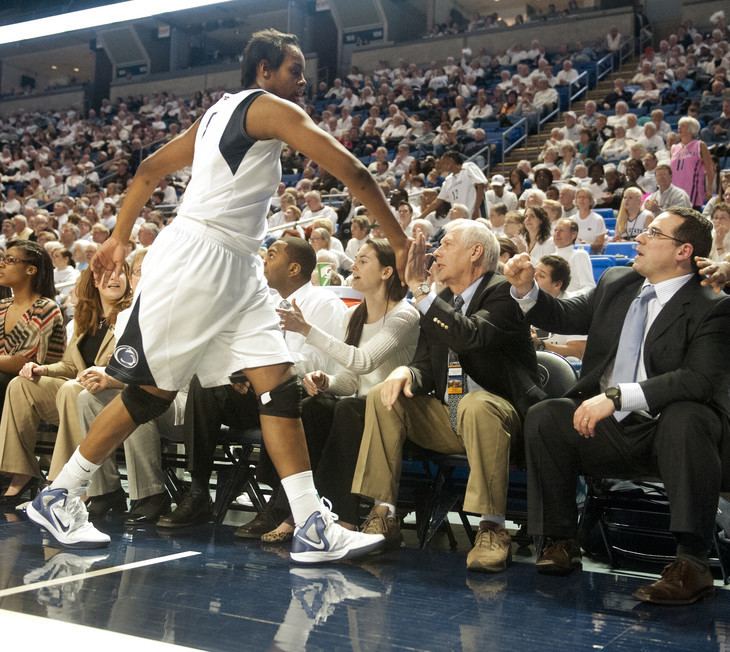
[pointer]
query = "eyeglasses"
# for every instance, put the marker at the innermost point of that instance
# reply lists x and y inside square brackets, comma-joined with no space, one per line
[12,260]
[652,232]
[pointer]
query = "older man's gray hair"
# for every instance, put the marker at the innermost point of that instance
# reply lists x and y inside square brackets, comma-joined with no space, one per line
[472,233]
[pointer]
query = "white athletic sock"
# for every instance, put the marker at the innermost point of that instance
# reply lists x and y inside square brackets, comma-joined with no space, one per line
[492,518]
[391,508]
[76,473]
[302,495]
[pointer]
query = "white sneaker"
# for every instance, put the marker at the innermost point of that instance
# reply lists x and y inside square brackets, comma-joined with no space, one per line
[64,516]
[319,590]
[62,565]
[321,539]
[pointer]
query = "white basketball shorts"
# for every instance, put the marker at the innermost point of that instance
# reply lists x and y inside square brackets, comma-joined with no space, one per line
[202,307]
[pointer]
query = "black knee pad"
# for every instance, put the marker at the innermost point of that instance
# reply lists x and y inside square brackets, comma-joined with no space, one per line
[143,406]
[284,400]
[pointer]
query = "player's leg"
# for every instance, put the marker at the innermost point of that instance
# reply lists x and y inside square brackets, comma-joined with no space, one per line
[317,537]
[59,508]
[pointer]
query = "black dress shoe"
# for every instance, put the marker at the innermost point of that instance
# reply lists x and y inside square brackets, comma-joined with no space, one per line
[27,492]
[99,506]
[149,509]
[193,509]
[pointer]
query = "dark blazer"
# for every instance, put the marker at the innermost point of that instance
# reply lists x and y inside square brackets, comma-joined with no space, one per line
[686,352]
[492,341]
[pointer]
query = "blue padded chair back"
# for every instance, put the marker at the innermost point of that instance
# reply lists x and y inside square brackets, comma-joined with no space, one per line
[627,249]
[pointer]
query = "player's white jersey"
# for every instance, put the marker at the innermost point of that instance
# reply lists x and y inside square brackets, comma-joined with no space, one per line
[233,176]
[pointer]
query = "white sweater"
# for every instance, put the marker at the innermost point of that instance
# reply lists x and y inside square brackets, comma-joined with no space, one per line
[384,345]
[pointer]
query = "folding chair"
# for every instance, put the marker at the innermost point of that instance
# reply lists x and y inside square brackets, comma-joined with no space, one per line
[556,376]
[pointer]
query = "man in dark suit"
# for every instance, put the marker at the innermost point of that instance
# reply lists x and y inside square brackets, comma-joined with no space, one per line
[474,335]
[668,413]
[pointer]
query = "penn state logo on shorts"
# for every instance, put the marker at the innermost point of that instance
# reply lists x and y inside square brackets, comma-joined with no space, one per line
[126,356]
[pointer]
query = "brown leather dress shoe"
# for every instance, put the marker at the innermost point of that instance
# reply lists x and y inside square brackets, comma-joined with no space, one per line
[682,582]
[559,558]
[388,526]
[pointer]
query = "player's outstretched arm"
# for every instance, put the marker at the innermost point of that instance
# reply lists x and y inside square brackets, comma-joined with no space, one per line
[272,117]
[178,153]
[171,157]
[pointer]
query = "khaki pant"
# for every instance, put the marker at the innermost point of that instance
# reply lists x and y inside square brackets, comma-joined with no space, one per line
[141,451]
[485,423]
[27,403]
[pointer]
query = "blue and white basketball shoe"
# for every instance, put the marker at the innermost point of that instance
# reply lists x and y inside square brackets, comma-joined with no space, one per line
[320,539]
[63,514]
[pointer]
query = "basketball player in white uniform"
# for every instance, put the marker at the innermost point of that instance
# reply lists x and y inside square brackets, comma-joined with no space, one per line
[202,305]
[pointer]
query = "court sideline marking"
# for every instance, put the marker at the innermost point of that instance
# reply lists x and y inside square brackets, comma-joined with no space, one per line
[97,573]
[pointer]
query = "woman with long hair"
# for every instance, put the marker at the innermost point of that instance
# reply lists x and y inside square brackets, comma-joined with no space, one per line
[142,455]
[631,219]
[48,392]
[517,180]
[568,162]
[720,232]
[65,273]
[379,335]
[537,233]
[31,323]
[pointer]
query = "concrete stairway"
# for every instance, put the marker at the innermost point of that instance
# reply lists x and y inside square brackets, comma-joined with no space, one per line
[531,149]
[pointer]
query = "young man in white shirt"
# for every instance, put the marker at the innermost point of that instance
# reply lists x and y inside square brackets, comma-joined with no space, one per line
[464,185]
[498,194]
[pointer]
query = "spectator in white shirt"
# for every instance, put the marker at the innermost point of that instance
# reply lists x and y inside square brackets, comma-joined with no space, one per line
[360,230]
[565,235]
[402,160]
[650,139]
[645,72]
[337,91]
[571,129]
[405,214]
[613,40]
[619,118]
[617,148]
[546,98]
[498,194]
[633,130]
[662,127]
[316,209]
[591,227]
[349,100]
[568,74]
[11,205]
[396,130]
[553,276]
[666,194]
[588,119]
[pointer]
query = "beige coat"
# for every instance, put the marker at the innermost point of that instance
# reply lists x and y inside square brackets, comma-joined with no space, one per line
[52,399]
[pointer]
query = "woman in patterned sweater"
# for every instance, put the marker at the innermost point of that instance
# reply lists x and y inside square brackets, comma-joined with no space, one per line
[48,392]
[31,324]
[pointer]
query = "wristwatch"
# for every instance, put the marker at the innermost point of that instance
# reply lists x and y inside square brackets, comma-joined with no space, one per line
[421,290]
[614,393]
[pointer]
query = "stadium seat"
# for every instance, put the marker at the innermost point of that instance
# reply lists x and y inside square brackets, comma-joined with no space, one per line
[600,264]
[627,249]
